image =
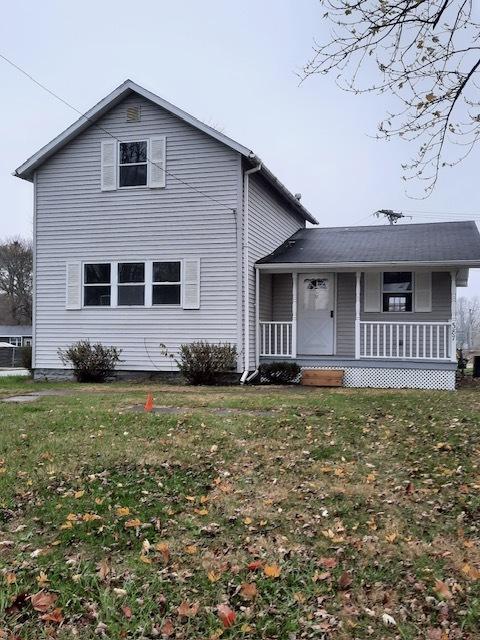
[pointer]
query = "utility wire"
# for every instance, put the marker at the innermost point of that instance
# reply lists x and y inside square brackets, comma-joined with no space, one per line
[65,102]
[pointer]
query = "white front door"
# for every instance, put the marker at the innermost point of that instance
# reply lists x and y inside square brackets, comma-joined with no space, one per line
[315,321]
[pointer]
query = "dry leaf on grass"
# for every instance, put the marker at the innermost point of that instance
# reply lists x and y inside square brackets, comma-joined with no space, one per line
[272,570]
[442,590]
[55,616]
[187,610]
[43,601]
[248,590]
[226,615]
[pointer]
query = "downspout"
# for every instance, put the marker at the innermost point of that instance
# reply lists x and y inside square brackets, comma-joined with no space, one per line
[246,272]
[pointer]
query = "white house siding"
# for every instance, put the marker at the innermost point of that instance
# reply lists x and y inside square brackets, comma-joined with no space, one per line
[271,222]
[75,220]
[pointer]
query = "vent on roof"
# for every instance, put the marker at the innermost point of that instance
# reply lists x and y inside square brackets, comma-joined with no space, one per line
[133,113]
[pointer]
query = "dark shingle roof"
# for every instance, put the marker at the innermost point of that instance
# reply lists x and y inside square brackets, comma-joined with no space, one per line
[447,242]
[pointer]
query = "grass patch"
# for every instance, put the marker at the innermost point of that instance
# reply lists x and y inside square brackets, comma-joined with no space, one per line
[331,515]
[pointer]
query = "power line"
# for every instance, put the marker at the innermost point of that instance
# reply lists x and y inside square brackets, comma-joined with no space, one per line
[65,102]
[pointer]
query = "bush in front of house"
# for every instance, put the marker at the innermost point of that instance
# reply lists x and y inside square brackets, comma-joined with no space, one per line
[90,362]
[281,372]
[26,357]
[206,363]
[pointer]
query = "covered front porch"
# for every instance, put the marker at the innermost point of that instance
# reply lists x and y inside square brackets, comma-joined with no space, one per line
[348,318]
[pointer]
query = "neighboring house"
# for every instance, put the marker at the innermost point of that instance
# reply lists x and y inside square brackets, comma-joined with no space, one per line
[17,335]
[152,228]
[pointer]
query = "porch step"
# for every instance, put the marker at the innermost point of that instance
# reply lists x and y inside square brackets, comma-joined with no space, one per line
[322,377]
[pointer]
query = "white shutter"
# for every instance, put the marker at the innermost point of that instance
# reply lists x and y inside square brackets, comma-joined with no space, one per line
[109,165]
[423,291]
[372,290]
[191,284]
[158,162]
[74,285]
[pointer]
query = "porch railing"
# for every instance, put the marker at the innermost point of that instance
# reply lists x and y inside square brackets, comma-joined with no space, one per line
[276,338]
[406,340]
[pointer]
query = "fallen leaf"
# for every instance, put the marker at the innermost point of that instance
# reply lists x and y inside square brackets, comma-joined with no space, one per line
[248,590]
[388,621]
[247,520]
[131,524]
[104,569]
[43,601]
[167,628]
[78,494]
[10,577]
[213,576]
[55,616]
[119,592]
[272,570]
[470,572]
[122,511]
[164,550]
[442,590]
[226,615]
[255,565]
[191,549]
[345,581]
[186,610]
[127,612]
[328,563]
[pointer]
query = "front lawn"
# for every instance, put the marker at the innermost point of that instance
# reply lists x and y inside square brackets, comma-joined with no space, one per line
[273,513]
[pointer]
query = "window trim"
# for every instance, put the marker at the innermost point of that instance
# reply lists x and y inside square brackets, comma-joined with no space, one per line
[148,284]
[133,164]
[412,293]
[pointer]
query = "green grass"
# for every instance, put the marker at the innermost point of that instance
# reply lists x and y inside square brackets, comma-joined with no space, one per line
[363,499]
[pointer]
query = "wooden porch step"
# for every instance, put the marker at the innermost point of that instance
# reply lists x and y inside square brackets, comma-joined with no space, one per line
[322,377]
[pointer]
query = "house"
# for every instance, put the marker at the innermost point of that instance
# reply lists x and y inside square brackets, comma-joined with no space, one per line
[17,335]
[12,336]
[152,228]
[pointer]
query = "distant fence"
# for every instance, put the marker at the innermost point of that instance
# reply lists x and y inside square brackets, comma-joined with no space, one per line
[10,357]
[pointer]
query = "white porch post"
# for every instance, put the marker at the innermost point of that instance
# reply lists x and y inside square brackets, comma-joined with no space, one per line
[357,315]
[257,317]
[453,315]
[294,313]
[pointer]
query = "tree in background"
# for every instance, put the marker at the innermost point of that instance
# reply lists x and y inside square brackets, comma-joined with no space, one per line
[426,55]
[16,264]
[468,323]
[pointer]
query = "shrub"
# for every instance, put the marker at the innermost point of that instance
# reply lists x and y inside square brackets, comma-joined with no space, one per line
[26,357]
[279,372]
[205,363]
[91,362]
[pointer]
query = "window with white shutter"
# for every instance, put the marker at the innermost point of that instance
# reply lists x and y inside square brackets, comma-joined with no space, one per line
[73,285]
[158,162]
[423,291]
[191,284]
[109,165]
[372,291]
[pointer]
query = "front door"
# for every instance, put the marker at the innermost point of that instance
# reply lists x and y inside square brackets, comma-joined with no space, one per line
[315,321]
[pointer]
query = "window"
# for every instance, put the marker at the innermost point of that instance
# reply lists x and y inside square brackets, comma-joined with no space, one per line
[133,164]
[131,283]
[16,341]
[397,291]
[97,285]
[27,342]
[166,280]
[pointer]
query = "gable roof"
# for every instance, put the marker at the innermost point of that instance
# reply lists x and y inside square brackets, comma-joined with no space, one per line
[27,169]
[448,243]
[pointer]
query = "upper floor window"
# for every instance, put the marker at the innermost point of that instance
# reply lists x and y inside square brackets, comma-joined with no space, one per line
[397,291]
[132,164]
[97,288]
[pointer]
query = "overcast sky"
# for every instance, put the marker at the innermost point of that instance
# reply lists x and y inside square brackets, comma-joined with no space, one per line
[231,64]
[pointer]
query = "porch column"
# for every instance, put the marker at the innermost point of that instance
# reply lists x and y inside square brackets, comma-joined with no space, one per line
[357,314]
[453,315]
[294,313]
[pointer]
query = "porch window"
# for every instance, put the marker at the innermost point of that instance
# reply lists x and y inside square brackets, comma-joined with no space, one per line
[397,291]
[97,286]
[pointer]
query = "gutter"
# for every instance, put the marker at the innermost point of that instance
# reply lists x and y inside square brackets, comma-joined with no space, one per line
[246,272]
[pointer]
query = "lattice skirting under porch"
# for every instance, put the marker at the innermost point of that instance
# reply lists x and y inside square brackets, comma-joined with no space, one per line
[383,378]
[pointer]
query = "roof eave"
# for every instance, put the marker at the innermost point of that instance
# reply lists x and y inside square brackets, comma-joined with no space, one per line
[443,264]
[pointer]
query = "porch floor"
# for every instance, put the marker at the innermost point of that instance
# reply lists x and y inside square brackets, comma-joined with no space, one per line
[350,361]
